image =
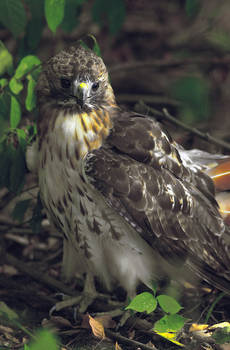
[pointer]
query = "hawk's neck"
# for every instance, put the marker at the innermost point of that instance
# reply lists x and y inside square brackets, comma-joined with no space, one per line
[76,133]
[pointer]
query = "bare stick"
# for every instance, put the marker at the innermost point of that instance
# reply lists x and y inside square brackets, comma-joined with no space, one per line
[167,116]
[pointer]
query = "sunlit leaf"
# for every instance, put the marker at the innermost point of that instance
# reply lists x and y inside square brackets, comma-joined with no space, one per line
[54,13]
[30,97]
[16,86]
[6,58]
[170,323]
[21,138]
[143,302]
[44,340]
[3,82]
[171,337]
[26,64]
[168,304]
[13,16]
[15,112]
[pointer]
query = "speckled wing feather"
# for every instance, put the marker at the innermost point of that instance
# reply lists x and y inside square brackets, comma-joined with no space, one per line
[140,174]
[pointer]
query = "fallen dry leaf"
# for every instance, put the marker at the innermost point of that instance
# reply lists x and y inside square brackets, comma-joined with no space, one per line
[97,328]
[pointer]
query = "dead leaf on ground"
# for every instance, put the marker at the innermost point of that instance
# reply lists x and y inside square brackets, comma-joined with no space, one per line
[97,328]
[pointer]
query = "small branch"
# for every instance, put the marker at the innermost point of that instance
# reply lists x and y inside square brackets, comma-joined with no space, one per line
[124,340]
[167,116]
[34,273]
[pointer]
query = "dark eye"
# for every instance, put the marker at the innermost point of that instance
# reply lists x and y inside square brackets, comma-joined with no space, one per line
[95,86]
[65,83]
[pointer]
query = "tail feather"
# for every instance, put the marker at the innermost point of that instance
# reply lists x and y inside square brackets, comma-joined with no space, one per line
[217,166]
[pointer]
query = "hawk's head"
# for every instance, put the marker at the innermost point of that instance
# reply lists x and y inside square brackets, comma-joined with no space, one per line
[76,79]
[76,101]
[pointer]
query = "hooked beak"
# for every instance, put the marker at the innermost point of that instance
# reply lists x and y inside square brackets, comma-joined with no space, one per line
[81,91]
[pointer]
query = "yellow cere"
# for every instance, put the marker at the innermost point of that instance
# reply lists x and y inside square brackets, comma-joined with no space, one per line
[83,85]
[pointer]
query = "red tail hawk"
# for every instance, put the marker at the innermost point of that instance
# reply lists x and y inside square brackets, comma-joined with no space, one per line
[113,182]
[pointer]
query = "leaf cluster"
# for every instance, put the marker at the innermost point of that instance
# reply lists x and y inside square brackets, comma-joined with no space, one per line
[55,13]
[168,325]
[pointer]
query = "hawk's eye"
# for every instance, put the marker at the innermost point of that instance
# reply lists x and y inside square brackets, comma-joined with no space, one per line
[95,86]
[65,83]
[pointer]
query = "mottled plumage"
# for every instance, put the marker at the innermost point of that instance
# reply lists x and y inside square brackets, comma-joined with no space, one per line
[128,205]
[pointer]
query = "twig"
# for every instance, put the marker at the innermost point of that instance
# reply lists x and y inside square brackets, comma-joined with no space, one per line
[39,276]
[210,311]
[124,340]
[167,116]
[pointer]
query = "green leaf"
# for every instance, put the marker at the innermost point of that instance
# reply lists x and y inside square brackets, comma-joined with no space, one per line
[20,210]
[44,340]
[222,335]
[31,97]
[15,86]
[3,82]
[13,16]
[22,138]
[34,33]
[54,13]
[154,287]
[192,7]
[7,312]
[168,304]
[36,25]
[26,65]
[15,112]
[174,322]
[161,325]
[95,46]
[89,42]
[72,12]
[17,170]
[143,302]
[193,92]
[113,10]
[6,59]
[4,112]
[5,105]
[170,323]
